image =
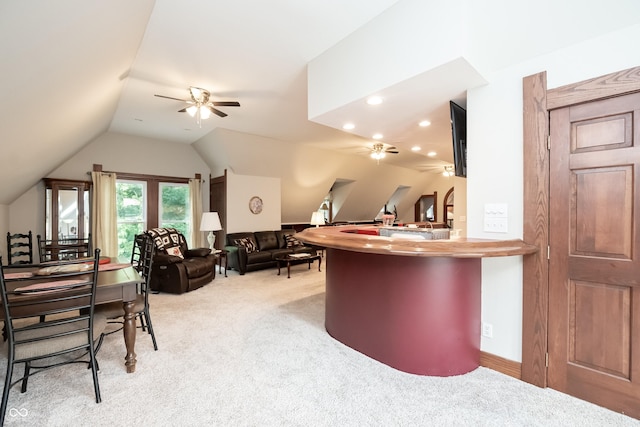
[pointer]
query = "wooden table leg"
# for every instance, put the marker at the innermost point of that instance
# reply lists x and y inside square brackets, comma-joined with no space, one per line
[288,269]
[129,331]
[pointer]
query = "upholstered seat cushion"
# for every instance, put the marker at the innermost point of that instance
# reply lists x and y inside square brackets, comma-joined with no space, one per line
[256,257]
[52,345]
[197,267]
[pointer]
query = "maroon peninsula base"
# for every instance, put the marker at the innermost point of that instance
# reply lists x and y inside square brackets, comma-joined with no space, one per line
[420,315]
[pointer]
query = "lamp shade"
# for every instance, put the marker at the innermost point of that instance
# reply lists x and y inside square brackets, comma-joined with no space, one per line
[317,218]
[210,222]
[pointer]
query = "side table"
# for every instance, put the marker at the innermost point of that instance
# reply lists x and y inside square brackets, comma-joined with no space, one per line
[220,254]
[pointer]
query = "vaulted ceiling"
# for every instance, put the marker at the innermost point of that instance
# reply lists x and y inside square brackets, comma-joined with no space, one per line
[73,69]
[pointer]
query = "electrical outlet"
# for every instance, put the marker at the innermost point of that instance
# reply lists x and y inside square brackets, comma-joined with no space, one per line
[487,330]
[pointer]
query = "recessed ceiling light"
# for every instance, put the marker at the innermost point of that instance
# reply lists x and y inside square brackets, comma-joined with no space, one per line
[374,100]
[431,153]
[424,123]
[377,136]
[348,126]
[415,148]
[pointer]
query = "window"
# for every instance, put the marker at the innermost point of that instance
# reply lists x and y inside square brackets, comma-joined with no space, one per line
[173,207]
[145,202]
[131,202]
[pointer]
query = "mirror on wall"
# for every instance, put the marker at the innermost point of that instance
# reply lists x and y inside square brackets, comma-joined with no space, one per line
[67,209]
[426,208]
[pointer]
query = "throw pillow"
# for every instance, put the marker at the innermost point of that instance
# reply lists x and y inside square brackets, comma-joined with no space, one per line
[292,241]
[246,243]
[175,251]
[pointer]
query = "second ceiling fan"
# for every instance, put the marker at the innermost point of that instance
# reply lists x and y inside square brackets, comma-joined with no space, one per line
[201,106]
[379,151]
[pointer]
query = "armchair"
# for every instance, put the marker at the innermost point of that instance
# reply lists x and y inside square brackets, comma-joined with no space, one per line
[176,268]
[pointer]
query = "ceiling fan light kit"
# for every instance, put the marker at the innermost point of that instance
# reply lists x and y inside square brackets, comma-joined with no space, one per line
[379,152]
[200,105]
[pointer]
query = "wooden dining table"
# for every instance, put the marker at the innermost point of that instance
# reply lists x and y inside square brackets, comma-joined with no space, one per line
[120,285]
[117,285]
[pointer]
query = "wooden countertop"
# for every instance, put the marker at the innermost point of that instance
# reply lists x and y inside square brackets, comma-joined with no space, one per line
[346,238]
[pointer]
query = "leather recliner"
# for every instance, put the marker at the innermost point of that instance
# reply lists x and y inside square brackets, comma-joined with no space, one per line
[176,268]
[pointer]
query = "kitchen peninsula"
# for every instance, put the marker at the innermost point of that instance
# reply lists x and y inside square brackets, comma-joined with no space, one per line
[408,302]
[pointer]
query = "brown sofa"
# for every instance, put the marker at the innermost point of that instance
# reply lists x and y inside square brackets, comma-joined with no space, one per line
[176,268]
[251,251]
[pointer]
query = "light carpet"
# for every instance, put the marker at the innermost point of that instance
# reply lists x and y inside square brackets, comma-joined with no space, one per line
[252,351]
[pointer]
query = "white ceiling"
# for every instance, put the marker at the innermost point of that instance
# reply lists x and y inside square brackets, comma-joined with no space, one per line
[73,69]
[258,55]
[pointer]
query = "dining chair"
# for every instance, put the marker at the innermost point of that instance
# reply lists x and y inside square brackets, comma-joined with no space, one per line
[141,260]
[20,248]
[64,293]
[61,249]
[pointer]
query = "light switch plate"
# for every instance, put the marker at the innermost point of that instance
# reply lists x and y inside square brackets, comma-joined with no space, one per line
[496,217]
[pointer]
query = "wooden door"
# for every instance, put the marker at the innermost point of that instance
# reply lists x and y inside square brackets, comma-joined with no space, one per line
[594,266]
[218,203]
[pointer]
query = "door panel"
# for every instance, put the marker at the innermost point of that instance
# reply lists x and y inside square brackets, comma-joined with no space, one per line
[594,270]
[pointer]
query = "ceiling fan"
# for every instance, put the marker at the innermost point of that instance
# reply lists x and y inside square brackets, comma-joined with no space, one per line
[200,105]
[379,151]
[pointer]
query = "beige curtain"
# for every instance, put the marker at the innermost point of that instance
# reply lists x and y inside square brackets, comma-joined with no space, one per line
[196,239]
[104,224]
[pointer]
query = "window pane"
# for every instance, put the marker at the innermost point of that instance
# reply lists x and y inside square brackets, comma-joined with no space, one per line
[132,216]
[174,207]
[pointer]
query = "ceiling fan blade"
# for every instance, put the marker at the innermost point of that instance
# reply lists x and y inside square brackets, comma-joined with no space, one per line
[169,97]
[184,110]
[216,111]
[225,103]
[391,151]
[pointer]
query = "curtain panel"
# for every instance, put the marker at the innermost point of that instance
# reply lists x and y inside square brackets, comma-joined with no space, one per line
[196,236]
[104,224]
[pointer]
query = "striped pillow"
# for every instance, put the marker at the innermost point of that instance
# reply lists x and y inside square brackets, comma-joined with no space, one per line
[247,243]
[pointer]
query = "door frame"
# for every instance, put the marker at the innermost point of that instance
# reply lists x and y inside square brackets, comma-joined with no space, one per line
[537,102]
[417,209]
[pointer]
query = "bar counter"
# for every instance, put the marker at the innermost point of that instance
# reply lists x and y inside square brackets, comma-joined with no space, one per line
[411,304]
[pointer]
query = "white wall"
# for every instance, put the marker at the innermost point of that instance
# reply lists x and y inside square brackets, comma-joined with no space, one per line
[241,189]
[308,172]
[494,114]
[115,152]
[388,49]
[126,153]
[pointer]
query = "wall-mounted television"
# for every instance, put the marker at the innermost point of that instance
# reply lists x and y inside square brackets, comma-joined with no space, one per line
[459,135]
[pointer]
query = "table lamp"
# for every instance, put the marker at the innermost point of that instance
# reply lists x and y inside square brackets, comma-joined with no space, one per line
[317,218]
[210,222]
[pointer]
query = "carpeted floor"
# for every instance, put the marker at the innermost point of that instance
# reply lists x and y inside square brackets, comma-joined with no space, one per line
[252,351]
